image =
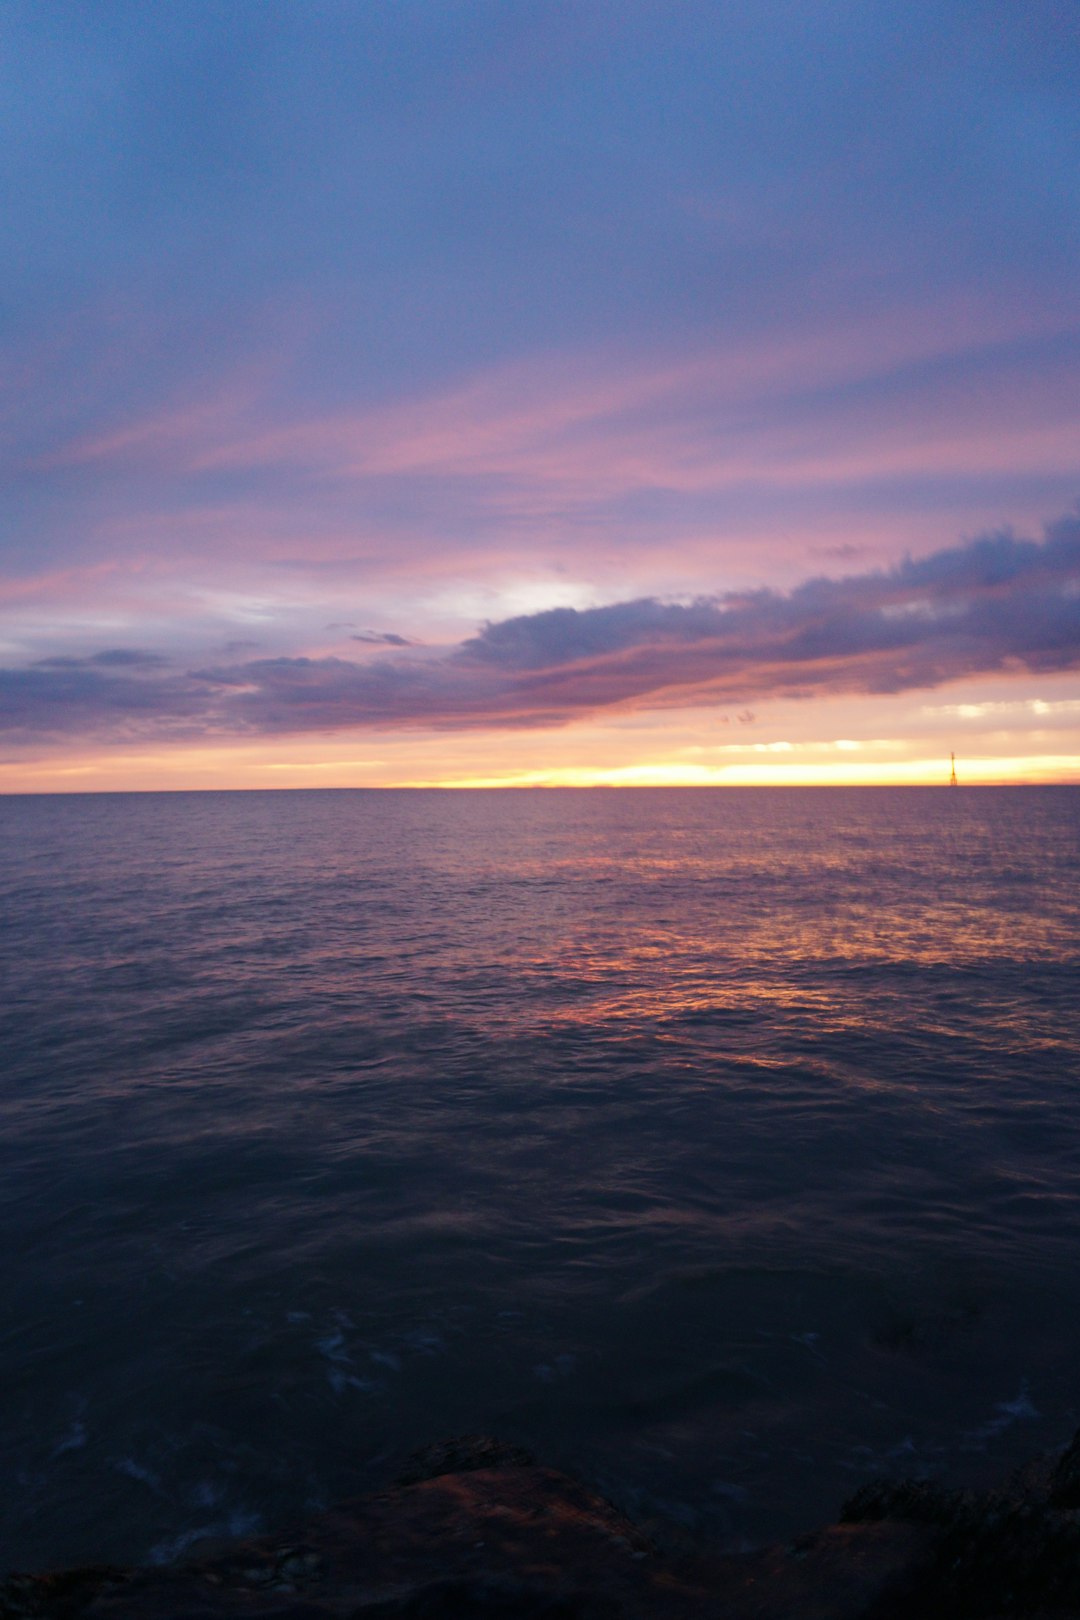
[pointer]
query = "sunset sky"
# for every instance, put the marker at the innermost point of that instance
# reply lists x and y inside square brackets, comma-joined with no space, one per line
[508,391]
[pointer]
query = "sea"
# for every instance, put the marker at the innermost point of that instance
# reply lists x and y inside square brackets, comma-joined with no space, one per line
[721,1146]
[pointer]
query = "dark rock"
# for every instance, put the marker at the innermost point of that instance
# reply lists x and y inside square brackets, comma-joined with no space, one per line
[489,1542]
[1007,1552]
[55,1595]
[1065,1479]
[478,1600]
[480,1531]
[461,1455]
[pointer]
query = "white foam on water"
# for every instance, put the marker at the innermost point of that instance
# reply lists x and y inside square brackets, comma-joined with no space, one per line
[428,1344]
[560,1366]
[135,1470]
[239,1523]
[207,1494]
[333,1348]
[74,1440]
[1019,1410]
[339,1382]
[1021,1407]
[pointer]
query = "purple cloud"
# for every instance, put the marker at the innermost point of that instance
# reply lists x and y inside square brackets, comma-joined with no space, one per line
[110,658]
[996,604]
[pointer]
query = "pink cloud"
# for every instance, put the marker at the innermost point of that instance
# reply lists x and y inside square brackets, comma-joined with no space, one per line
[991,606]
[592,426]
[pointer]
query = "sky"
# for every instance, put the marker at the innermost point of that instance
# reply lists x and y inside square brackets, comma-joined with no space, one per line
[538,391]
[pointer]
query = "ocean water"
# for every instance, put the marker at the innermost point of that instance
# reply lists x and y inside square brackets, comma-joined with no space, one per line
[723,1146]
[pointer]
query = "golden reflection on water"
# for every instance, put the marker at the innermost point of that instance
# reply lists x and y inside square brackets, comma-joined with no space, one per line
[679,953]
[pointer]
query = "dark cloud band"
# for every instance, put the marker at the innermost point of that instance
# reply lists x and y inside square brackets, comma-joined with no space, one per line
[996,604]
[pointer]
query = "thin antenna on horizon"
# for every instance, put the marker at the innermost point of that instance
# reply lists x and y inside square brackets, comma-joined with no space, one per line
[952,772]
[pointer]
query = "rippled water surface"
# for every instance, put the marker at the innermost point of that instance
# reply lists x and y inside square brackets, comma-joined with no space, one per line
[721,1145]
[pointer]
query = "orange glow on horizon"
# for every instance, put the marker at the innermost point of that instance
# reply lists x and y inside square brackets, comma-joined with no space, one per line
[253,768]
[911,773]
[1002,731]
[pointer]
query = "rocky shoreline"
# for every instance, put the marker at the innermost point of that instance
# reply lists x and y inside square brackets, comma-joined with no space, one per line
[477,1528]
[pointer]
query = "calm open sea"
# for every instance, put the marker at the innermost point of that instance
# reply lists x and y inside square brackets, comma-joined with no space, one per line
[721,1145]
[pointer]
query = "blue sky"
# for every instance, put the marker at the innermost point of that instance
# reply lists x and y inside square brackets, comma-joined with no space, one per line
[328,323]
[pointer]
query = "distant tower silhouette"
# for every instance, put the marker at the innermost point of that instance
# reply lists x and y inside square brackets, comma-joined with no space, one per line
[952,773]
